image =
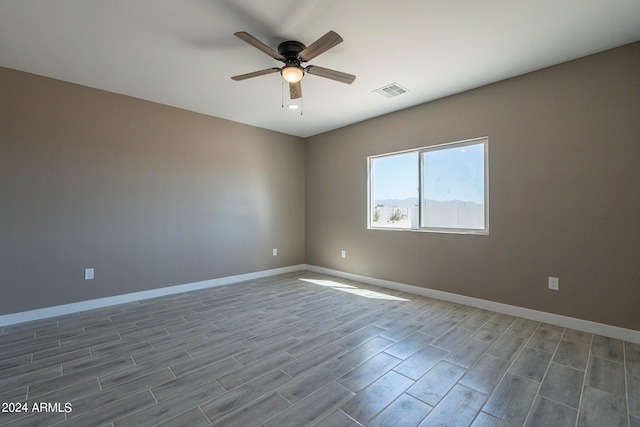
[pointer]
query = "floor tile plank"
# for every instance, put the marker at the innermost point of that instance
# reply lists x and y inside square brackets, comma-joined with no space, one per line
[314,379]
[436,383]
[247,393]
[606,375]
[368,403]
[547,413]
[563,384]
[368,372]
[459,408]
[404,411]
[290,350]
[599,408]
[338,419]
[512,399]
[313,408]
[261,410]
[420,362]
[572,353]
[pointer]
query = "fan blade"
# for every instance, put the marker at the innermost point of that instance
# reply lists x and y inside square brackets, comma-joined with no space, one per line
[255,74]
[295,90]
[331,74]
[244,36]
[321,45]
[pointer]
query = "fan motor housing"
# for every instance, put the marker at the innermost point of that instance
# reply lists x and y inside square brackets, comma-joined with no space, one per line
[290,49]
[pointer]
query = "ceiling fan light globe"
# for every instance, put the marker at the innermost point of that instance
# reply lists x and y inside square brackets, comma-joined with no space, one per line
[292,74]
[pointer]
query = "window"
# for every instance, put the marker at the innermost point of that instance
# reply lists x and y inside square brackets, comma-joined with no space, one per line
[439,188]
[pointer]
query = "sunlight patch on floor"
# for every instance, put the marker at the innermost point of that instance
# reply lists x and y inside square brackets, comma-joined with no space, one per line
[328,283]
[354,290]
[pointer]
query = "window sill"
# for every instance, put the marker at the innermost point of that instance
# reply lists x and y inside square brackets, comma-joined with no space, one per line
[433,230]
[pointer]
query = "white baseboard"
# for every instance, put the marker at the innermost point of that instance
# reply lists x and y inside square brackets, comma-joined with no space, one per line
[539,316]
[43,313]
[526,313]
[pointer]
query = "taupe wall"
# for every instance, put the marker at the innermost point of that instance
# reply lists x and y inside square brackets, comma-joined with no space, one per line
[148,195]
[152,196]
[564,162]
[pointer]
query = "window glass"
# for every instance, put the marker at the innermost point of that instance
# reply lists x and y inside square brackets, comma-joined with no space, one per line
[394,190]
[439,188]
[453,184]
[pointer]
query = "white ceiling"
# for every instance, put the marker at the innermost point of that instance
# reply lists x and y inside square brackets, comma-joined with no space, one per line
[183,52]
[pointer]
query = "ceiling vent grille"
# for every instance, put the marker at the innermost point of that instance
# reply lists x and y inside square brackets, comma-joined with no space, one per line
[391,90]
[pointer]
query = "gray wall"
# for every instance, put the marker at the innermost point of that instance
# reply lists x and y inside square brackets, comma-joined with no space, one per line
[564,166]
[148,195]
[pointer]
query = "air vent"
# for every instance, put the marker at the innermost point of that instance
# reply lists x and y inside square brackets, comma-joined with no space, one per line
[391,90]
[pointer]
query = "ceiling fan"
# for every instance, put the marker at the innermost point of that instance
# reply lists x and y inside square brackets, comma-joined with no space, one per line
[293,54]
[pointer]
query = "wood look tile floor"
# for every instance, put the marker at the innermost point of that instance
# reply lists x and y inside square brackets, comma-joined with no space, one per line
[305,349]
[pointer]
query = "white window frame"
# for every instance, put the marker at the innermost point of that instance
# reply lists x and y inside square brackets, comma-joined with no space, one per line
[420,151]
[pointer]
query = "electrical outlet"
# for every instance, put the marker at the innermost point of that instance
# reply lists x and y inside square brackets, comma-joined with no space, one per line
[554,283]
[343,254]
[88,274]
[275,251]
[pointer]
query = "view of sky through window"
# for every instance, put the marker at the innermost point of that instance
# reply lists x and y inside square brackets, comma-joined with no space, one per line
[455,174]
[396,177]
[452,187]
